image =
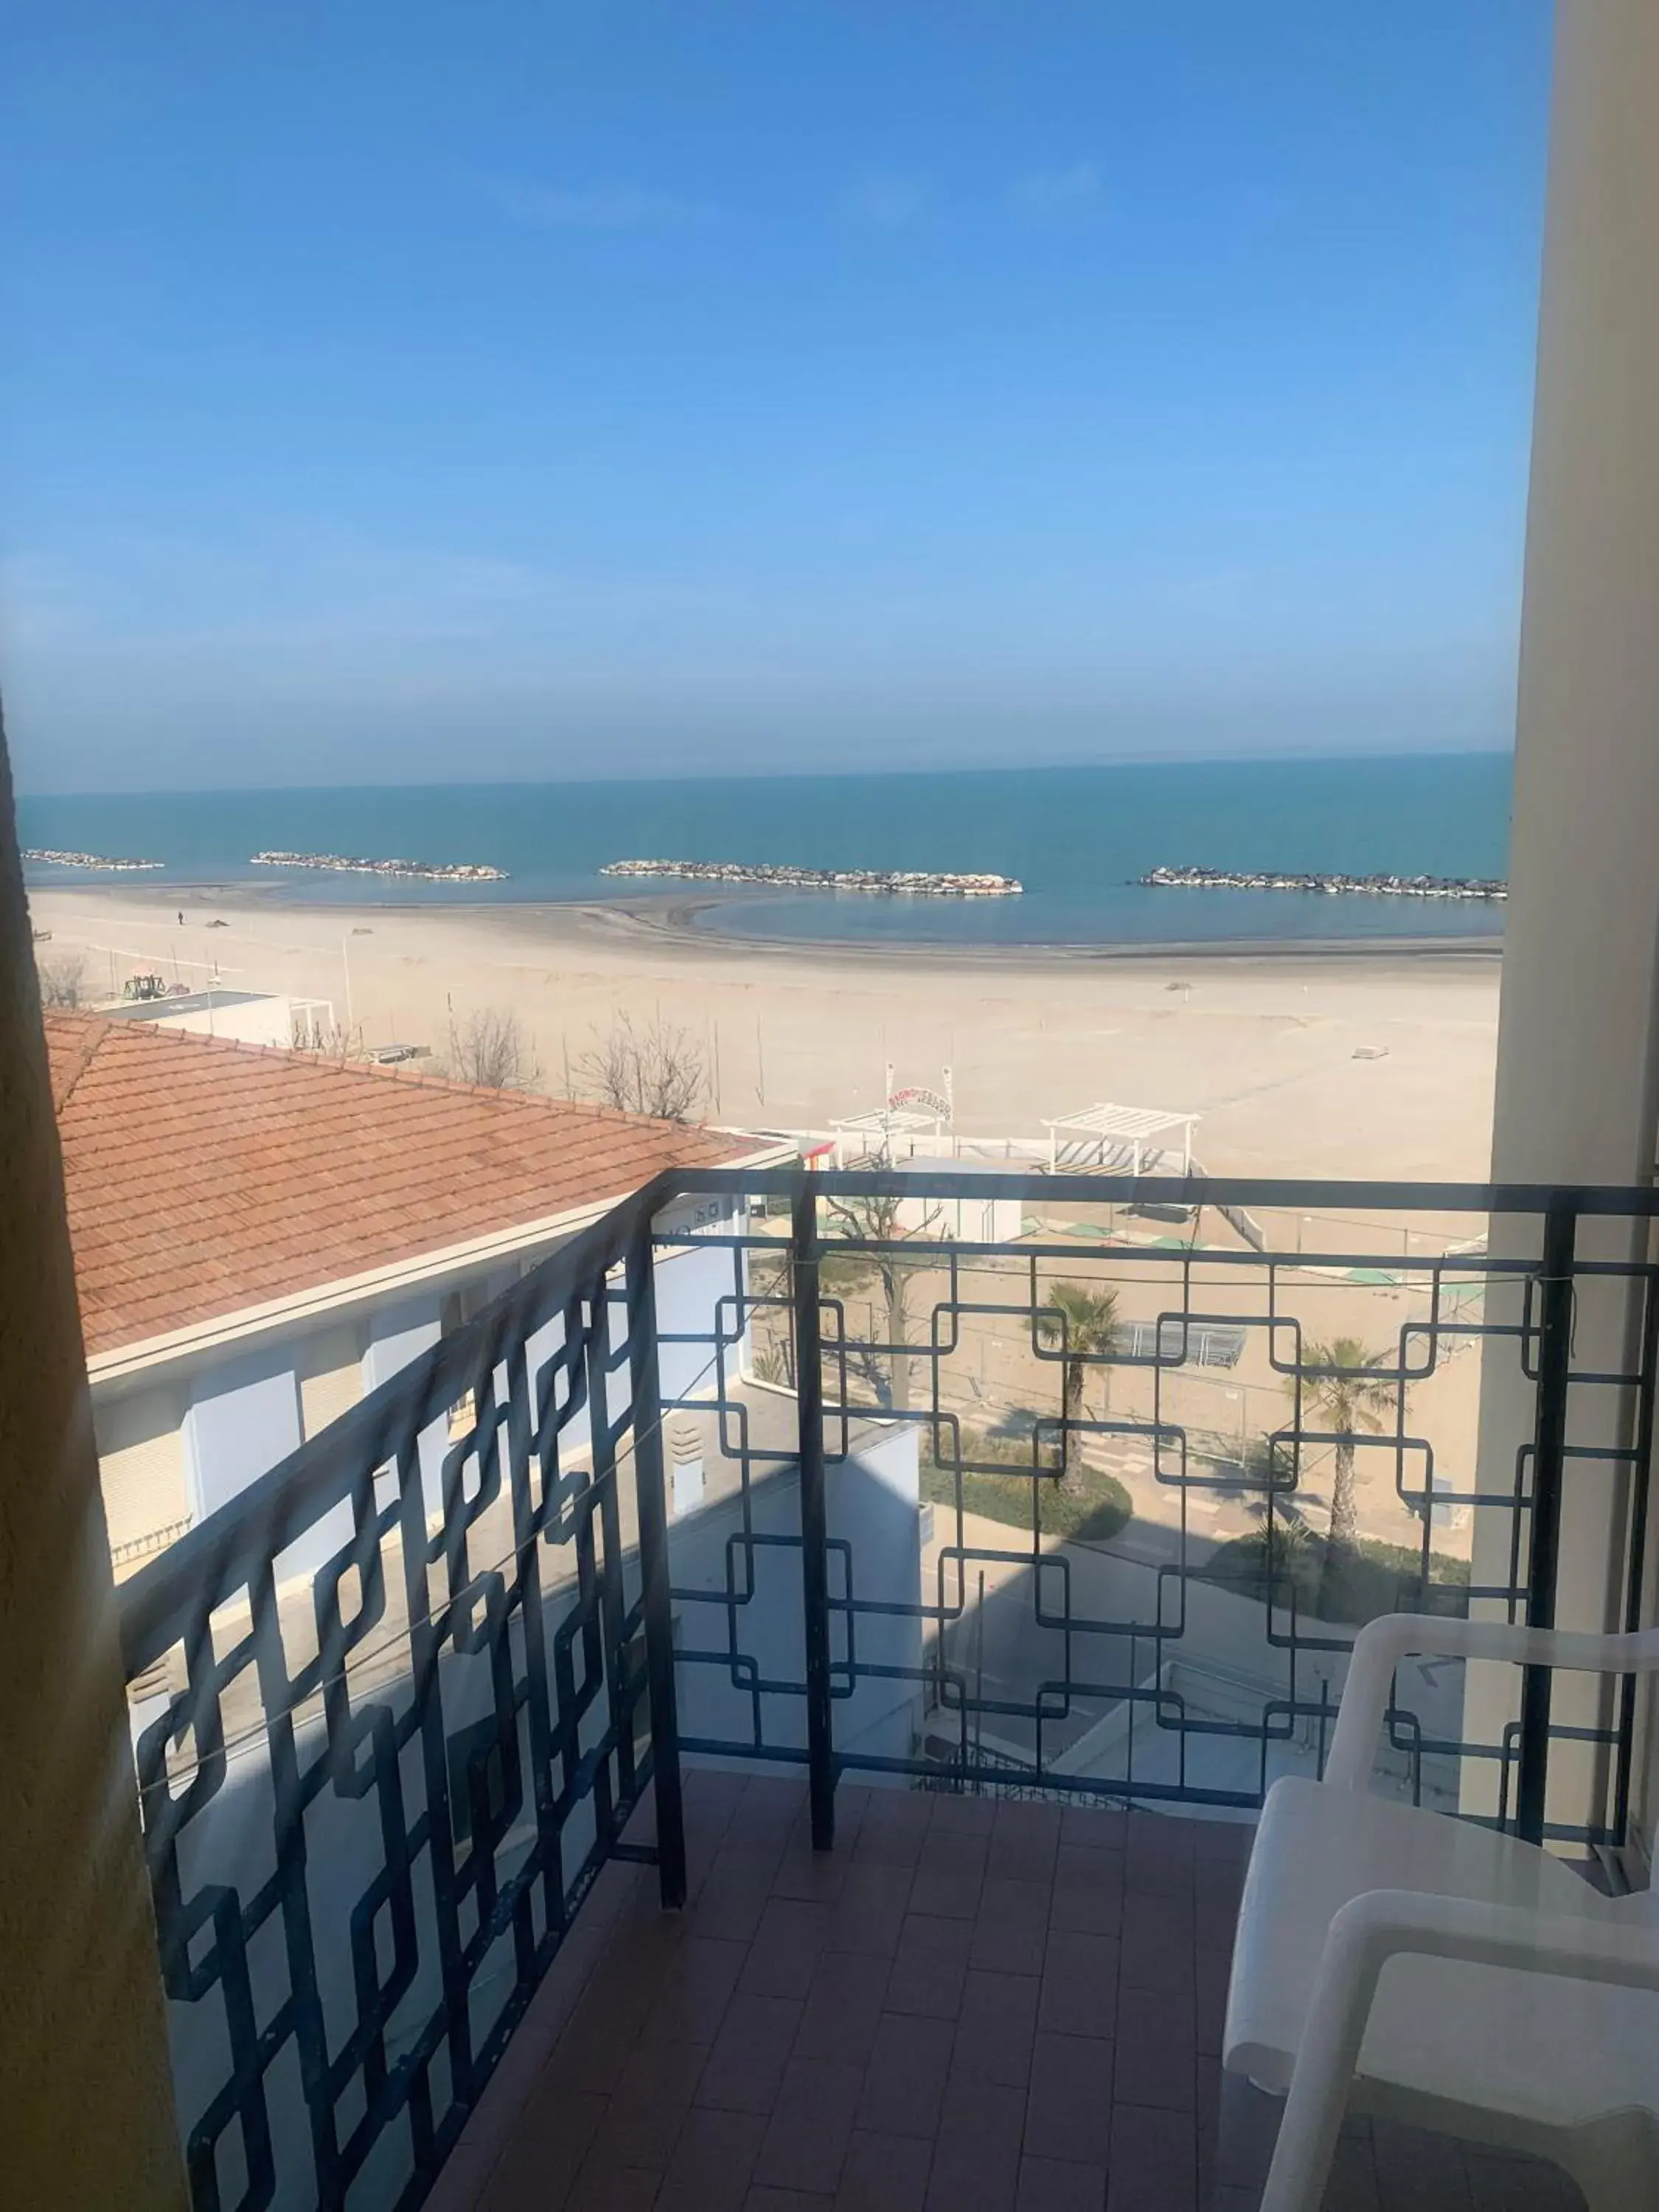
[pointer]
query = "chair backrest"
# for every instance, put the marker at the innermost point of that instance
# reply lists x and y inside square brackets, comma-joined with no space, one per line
[1382,1643]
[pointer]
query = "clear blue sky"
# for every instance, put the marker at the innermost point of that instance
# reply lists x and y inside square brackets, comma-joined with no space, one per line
[390,392]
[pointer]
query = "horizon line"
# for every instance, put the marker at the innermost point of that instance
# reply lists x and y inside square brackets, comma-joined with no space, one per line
[789,775]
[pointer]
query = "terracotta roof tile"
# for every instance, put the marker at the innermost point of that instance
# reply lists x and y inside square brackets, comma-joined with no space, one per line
[205,1176]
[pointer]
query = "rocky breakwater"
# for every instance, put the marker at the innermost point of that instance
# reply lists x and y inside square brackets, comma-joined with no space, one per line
[46,856]
[886,882]
[1237,879]
[417,872]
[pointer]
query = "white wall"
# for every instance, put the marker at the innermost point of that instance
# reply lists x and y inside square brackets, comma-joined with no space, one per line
[872,1504]
[268,1021]
[243,1417]
[1575,1094]
[698,1287]
[970,1219]
[241,1413]
[1225,1666]
[141,1460]
[243,1410]
[398,1335]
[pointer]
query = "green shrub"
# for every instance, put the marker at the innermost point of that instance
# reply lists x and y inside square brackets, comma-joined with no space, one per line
[1371,1578]
[1097,1508]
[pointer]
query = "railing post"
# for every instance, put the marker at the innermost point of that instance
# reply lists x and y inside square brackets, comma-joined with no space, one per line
[1548,1463]
[1636,1565]
[814,1526]
[646,1398]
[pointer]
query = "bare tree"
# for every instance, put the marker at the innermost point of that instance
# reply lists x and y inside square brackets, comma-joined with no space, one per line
[878,1221]
[337,1044]
[490,1048]
[658,1070]
[62,980]
[771,1316]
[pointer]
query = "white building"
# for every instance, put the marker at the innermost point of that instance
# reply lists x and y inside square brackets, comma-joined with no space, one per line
[270,1018]
[262,1237]
[969,1215]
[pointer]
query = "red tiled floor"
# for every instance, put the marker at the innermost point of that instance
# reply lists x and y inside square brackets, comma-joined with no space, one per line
[1010,1934]
[844,2007]
[713,2161]
[988,2006]
[930,1966]
[904,2082]
[1068,2113]
[1050,2184]
[996,2029]
[811,2125]
[885,2173]
[977,2157]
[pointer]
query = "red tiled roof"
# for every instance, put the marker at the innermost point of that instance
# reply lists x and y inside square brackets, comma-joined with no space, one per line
[205,1177]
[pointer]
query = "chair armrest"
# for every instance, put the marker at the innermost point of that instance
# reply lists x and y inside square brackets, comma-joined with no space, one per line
[1382,1924]
[1382,1643]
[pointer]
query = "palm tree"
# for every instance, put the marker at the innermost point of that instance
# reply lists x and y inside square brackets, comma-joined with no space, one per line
[1085,1324]
[1347,1395]
[1282,1539]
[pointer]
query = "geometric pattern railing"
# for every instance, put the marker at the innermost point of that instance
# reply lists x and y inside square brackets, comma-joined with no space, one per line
[996,1481]
[1157,1663]
[406,1725]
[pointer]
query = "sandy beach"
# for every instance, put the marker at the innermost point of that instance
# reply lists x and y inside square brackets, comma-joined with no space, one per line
[1263,1044]
[1374,1064]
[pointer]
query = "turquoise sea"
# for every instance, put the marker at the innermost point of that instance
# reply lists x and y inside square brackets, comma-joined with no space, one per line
[1077,838]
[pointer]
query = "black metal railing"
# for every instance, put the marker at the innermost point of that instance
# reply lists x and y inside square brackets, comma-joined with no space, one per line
[419,1687]
[398,1703]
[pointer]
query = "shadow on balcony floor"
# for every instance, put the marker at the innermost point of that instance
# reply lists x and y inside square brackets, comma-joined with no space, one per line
[988,2006]
[970,2004]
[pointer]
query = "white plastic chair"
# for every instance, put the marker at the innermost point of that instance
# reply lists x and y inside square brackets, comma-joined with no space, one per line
[1418,1966]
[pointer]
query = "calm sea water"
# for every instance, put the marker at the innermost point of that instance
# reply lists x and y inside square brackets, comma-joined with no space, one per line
[1077,838]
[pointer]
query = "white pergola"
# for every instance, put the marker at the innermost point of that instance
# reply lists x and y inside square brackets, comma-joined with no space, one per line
[1120,1127]
[883,1124]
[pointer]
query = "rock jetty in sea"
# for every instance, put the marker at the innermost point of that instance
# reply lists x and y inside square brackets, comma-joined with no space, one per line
[1239,879]
[419,872]
[49,858]
[890,882]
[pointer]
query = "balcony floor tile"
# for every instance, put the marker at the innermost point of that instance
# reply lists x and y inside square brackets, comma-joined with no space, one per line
[885,2027]
[968,2007]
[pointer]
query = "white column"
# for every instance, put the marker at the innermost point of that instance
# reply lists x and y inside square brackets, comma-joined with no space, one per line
[1575,1093]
